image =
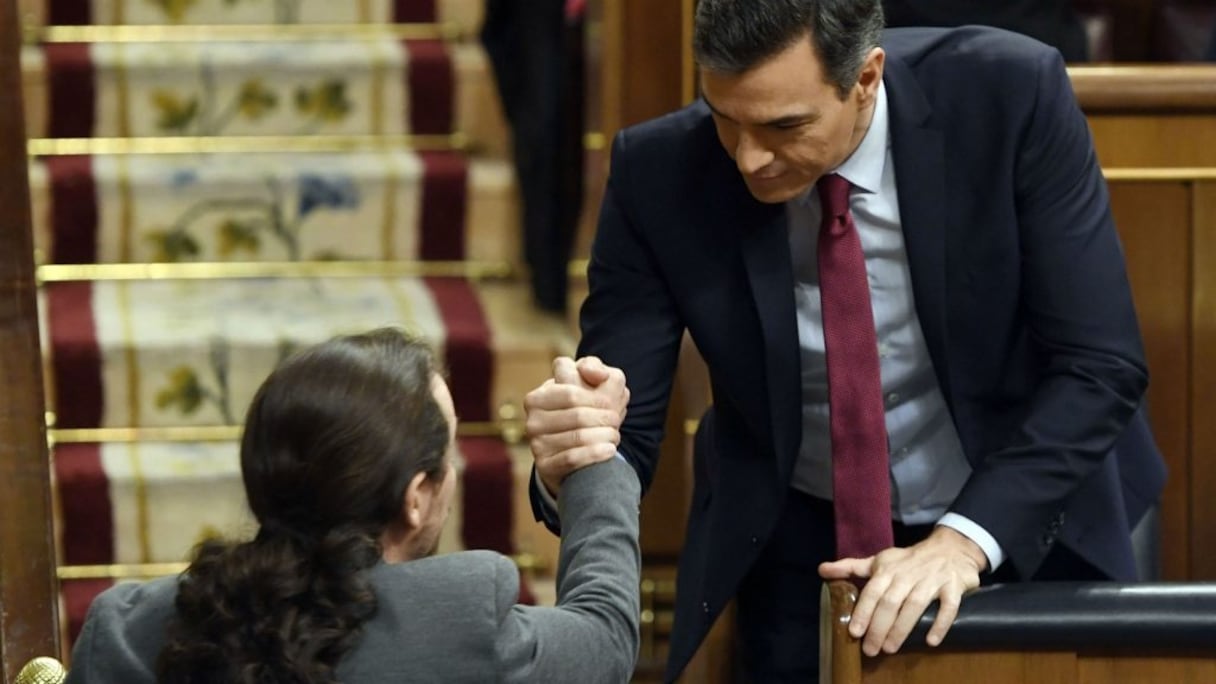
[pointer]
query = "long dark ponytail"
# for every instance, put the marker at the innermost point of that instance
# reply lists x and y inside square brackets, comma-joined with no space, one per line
[331,441]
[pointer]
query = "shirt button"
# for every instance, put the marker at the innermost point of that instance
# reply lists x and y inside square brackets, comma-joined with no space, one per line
[705,607]
[755,541]
[893,397]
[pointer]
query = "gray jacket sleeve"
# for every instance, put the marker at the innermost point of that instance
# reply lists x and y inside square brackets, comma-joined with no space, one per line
[592,633]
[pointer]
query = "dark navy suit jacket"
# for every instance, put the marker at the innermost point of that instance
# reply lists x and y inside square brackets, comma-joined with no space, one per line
[1018,280]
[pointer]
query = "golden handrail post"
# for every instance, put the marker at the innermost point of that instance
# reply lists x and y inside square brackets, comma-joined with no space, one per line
[27,582]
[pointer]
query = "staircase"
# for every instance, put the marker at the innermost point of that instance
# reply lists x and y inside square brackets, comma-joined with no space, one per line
[219,182]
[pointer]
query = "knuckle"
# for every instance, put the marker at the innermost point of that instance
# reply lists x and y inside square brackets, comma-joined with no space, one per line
[532,425]
[889,601]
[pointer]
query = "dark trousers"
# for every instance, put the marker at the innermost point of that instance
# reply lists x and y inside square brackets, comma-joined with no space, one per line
[778,601]
[536,51]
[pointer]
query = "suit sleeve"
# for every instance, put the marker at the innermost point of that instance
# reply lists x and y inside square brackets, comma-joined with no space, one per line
[1078,305]
[629,319]
[592,634]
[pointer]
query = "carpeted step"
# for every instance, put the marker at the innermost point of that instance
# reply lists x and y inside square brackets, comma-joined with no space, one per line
[356,86]
[466,15]
[151,502]
[377,205]
[168,353]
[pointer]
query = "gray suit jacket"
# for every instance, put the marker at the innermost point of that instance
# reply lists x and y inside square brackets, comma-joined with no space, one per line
[448,618]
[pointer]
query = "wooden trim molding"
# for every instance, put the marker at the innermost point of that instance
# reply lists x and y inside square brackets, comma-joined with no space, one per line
[1141,88]
[27,581]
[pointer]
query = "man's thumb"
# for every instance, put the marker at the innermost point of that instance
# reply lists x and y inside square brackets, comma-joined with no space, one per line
[593,371]
[564,371]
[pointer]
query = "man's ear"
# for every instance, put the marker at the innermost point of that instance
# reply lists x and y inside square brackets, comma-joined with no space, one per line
[417,500]
[870,76]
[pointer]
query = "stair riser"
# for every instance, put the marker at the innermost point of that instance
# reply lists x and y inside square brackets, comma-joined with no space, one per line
[267,207]
[466,14]
[152,502]
[356,87]
[163,353]
[152,354]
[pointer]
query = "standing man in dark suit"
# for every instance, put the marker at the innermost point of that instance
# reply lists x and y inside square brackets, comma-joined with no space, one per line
[896,255]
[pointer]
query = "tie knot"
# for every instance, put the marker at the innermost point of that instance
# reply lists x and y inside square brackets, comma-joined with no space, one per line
[833,195]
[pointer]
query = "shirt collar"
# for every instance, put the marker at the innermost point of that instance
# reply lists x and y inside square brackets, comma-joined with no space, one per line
[864,167]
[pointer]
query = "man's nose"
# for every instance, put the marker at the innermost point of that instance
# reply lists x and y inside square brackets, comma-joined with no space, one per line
[750,155]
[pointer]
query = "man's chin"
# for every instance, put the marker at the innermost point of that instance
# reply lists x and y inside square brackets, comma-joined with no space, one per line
[771,193]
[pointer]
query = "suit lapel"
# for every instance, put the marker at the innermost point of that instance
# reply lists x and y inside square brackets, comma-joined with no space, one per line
[917,148]
[766,257]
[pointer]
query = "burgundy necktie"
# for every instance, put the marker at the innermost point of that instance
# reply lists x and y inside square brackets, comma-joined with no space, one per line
[860,470]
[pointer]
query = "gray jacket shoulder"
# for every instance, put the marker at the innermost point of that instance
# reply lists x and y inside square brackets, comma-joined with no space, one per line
[123,633]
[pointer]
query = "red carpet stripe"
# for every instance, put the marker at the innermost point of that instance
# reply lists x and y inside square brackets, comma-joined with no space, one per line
[467,347]
[488,484]
[430,87]
[73,209]
[87,525]
[487,511]
[76,356]
[70,78]
[414,11]
[444,201]
[84,498]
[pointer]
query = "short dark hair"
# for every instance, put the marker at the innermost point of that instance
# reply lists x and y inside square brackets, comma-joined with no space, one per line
[732,36]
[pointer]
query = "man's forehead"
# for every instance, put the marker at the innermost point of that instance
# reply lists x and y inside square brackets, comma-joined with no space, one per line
[755,103]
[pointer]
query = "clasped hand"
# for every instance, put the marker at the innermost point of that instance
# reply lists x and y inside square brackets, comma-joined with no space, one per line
[574,419]
[903,582]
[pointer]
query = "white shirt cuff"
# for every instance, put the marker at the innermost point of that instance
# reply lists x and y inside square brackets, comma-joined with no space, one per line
[969,529]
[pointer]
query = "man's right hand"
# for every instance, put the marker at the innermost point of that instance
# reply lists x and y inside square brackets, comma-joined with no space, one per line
[574,419]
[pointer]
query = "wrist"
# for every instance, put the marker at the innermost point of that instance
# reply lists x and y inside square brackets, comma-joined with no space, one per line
[963,546]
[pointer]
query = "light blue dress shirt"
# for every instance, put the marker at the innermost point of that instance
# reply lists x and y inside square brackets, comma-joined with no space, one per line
[928,467]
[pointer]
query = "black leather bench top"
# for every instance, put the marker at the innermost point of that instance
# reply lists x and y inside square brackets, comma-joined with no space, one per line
[1082,615]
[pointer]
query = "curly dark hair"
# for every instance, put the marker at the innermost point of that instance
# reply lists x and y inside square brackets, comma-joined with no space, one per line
[332,439]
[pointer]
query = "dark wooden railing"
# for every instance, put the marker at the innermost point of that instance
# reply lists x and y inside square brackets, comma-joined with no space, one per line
[27,585]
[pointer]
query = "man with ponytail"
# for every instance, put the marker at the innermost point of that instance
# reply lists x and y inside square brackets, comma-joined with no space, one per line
[347,461]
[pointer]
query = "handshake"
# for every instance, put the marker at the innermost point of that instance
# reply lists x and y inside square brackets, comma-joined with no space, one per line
[574,419]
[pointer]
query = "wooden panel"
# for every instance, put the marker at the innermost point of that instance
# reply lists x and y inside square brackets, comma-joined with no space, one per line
[1041,668]
[974,666]
[1155,89]
[1203,387]
[27,585]
[1155,141]
[1153,220]
[1146,670]
[652,60]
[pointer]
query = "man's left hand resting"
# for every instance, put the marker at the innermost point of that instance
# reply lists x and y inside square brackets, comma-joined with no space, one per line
[904,581]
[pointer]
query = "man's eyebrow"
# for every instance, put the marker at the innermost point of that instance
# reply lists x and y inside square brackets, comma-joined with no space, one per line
[779,122]
[792,119]
[714,109]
